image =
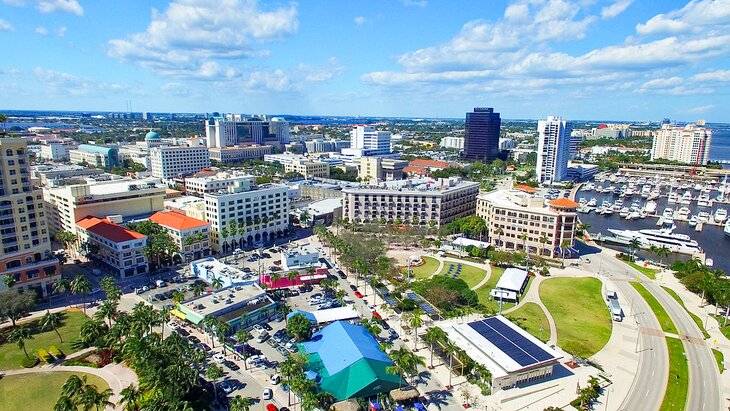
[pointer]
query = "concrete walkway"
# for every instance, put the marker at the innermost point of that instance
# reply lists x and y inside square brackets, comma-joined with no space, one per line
[533,296]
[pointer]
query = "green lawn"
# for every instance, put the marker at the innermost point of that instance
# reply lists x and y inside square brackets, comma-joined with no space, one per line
[532,318]
[11,355]
[581,317]
[719,357]
[483,291]
[425,270]
[724,330]
[675,397]
[661,314]
[649,272]
[470,274]
[696,319]
[37,391]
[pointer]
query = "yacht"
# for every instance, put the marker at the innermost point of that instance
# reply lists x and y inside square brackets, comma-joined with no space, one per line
[676,242]
[624,212]
[606,204]
[683,212]
[607,211]
[668,224]
[686,198]
[592,202]
[672,198]
[582,201]
[727,228]
[589,187]
[645,191]
[668,212]
[650,207]
[684,186]
[703,200]
[629,191]
[720,215]
[634,215]
[655,193]
[703,217]
[693,220]
[616,207]
[698,187]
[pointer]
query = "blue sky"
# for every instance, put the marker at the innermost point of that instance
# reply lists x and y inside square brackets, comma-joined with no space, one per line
[581,59]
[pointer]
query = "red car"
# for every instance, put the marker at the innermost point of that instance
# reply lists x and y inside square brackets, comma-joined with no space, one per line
[271,407]
[377,315]
[358,294]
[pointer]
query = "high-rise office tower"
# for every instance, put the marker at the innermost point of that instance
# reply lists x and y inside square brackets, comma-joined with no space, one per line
[367,138]
[25,254]
[481,141]
[553,149]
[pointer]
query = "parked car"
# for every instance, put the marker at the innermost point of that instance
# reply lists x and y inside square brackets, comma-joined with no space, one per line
[267,394]
[225,387]
[358,294]
[377,315]
[271,407]
[219,358]
[173,325]
[394,335]
[193,339]
[258,328]
[266,326]
[231,365]
[263,337]
[352,287]
[342,274]
[182,332]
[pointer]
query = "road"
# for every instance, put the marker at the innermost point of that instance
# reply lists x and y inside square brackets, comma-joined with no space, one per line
[647,390]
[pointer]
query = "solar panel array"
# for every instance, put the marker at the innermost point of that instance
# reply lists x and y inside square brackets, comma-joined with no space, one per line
[428,309]
[413,296]
[509,341]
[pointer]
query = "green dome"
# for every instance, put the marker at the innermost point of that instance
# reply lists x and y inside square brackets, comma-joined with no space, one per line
[151,136]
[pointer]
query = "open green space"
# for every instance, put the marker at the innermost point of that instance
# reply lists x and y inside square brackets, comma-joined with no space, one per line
[483,291]
[427,269]
[38,391]
[720,321]
[719,357]
[581,317]
[649,272]
[661,314]
[675,397]
[470,274]
[696,319]
[11,355]
[532,318]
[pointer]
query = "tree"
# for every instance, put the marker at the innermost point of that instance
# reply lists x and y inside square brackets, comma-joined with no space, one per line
[240,404]
[563,249]
[214,372]
[178,297]
[433,336]
[216,283]
[53,321]
[415,322]
[65,403]
[242,335]
[198,289]
[9,281]
[663,252]
[299,327]
[499,233]
[81,285]
[66,238]
[107,310]
[62,286]
[707,285]
[291,368]
[451,349]
[634,245]
[283,310]
[91,397]
[130,398]
[222,329]
[15,305]
[20,335]
[110,288]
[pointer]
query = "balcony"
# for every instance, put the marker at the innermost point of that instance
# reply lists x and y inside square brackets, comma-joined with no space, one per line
[37,264]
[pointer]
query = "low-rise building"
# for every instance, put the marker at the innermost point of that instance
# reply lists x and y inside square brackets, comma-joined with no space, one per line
[54,175]
[308,168]
[299,258]
[510,214]
[173,161]
[118,248]
[56,151]
[581,171]
[191,235]
[200,185]
[414,201]
[96,156]
[379,168]
[423,168]
[235,154]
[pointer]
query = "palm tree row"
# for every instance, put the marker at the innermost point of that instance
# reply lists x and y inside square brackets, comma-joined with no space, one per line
[76,392]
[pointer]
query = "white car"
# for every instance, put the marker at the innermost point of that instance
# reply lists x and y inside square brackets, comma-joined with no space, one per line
[173,326]
[371,307]
[258,328]
[219,358]
[267,394]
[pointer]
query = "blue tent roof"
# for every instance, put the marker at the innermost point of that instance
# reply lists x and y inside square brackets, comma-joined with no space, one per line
[341,344]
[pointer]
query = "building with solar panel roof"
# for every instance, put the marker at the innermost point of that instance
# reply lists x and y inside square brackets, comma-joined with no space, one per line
[511,354]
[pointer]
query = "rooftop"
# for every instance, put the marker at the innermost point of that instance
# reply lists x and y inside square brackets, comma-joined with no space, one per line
[228,299]
[209,268]
[116,187]
[325,206]
[563,203]
[519,200]
[176,221]
[105,228]
[526,188]
[329,315]
[303,249]
[429,163]
[417,185]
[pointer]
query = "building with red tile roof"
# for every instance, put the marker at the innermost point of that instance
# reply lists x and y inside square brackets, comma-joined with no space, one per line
[191,235]
[526,188]
[424,167]
[116,247]
[563,203]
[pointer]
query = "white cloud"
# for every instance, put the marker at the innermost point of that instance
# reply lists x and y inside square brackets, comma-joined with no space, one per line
[701,109]
[61,31]
[360,20]
[717,75]
[6,26]
[64,6]
[616,8]
[294,79]
[697,16]
[41,30]
[660,83]
[191,34]
[56,82]
[415,3]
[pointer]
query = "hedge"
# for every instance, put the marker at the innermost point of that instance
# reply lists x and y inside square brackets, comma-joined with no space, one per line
[44,356]
[55,351]
[29,362]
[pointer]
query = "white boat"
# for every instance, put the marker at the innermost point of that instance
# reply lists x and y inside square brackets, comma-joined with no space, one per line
[698,187]
[720,215]
[629,191]
[686,198]
[668,224]
[592,202]
[616,207]
[703,217]
[703,200]
[582,201]
[668,212]
[607,211]
[684,186]
[650,207]
[676,242]
[605,204]
[624,212]
[683,212]
[655,193]
[672,198]
[693,220]
[619,202]
[727,228]
[635,215]
[645,191]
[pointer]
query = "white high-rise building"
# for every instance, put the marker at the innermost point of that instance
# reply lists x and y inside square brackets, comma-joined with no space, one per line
[453,142]
[553,149]
[689,144]
[369,142]
[174,161]
[236,131]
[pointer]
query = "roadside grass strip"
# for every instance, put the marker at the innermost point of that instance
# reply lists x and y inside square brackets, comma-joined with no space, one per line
[696,319]
[661,314]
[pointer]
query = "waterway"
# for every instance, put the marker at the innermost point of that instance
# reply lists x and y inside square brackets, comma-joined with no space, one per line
[712,239]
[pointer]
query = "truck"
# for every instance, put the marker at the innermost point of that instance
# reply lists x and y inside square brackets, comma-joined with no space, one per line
[615,308]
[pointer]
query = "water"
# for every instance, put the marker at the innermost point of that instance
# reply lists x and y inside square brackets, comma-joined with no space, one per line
[720,145]
[712,239]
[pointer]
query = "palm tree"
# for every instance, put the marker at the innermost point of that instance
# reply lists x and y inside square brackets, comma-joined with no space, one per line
[198,289]
[283,310]
[210,322]
[81,285]
[130,398]
[107,310]
[433,335]
[65,403]
[20,335]
[634,245]
[240,404]
[222,329]
[214,372]
[499,233]
[415,322]
[663,252]
[91,397]
[292,367]
[707,285]
[584,227]
[450,348]
[563,248]
[543,240]
[52,320]
[216,283]
[178,297]
[242,335]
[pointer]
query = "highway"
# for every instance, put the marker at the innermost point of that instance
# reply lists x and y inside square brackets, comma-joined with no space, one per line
[650,381]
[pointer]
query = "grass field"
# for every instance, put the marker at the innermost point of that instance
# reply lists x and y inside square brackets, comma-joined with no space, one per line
[425,270]
[719,357]
[661,314]
[38,391]
[11,355]
[649,272]
[483,291]
[696,319]
[675,397]
[580,315]
[532,318]
[470,274]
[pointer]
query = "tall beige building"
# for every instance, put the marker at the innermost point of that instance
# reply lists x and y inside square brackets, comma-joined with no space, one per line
[689,144]
[26,247]
[511,213]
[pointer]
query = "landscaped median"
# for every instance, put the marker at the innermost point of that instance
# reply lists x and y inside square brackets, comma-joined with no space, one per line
[675,397]
[532,318]
[661,314]
[580,314]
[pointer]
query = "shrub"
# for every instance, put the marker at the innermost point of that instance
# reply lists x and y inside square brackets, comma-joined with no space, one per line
[79,363]
[28,362]
[44,356]
[55,352]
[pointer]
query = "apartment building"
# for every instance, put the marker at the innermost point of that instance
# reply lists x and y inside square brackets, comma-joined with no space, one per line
[511,213]
[56,151]
[689,144]
[260,212]
[127,199]
[235,154]
[418,201]
[213,183]
[308,168]
[95,156]
[553,149]
[366,141]
[26,247]
[173,161]
[191,235]
[453,142]
[119,249]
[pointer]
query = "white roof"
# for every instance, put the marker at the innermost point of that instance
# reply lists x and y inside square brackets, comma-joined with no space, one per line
[347,312]
[325,206]
[465,242]
[512,279]
[503,294]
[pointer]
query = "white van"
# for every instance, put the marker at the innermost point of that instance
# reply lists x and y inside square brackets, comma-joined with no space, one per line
[275,379]
[160,283]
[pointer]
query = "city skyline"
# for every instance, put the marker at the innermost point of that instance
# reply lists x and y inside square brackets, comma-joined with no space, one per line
[613,60]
